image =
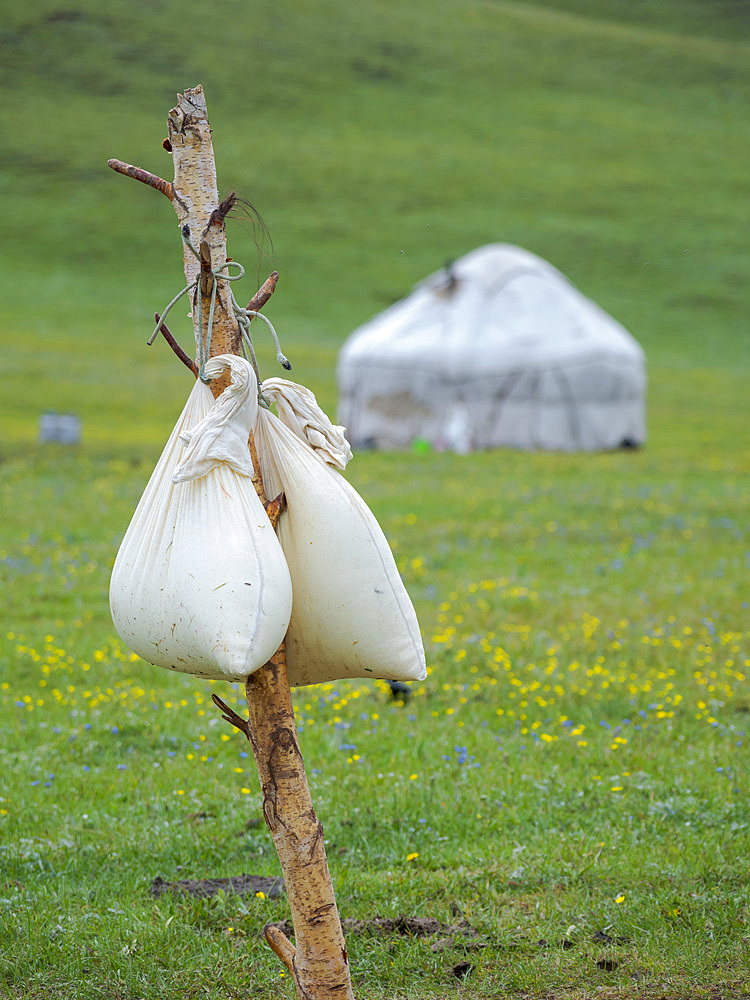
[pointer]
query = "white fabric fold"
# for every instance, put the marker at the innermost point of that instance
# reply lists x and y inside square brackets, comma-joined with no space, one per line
[351,614]
[221,436]
[200,583]
[299,411]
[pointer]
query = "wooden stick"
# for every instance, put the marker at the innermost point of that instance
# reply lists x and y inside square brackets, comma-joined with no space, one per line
[264,293]
[229,715]
[138,174]
[319,962]
[280,943]
[188,362]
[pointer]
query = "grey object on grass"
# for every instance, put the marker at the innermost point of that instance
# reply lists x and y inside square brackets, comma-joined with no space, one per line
[59,428]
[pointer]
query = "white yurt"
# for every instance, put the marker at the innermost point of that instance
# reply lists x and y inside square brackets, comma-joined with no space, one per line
[496,350]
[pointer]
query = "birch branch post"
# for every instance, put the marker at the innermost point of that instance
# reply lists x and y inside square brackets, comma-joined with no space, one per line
[318,960]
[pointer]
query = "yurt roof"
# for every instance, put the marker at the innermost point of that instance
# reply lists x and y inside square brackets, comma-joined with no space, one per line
[495,310]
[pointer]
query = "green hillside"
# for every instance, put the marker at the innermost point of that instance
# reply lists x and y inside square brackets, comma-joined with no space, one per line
[377,140]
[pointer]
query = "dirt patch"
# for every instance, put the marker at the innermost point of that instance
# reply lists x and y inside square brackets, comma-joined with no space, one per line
[460,934]
[241,885]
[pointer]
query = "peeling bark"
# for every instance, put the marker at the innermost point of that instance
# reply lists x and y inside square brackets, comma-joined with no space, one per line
[196,201]
[318,960]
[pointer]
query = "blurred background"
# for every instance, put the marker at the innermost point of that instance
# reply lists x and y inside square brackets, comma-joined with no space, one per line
[376,140]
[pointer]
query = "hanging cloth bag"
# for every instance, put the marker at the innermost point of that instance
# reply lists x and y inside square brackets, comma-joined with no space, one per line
[200,583]
[351,614]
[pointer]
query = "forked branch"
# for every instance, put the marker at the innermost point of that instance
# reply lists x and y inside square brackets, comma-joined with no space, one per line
[231,716]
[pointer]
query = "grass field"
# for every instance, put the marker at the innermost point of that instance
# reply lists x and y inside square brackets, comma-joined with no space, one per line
[572,779]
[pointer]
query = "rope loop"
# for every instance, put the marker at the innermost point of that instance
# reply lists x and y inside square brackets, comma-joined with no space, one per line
[242,315]
[229,277]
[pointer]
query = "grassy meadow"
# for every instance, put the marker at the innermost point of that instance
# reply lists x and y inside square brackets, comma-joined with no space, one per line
[572,779]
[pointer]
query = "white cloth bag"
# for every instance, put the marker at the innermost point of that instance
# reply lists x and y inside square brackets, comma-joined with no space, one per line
[200,583]
[351,614]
